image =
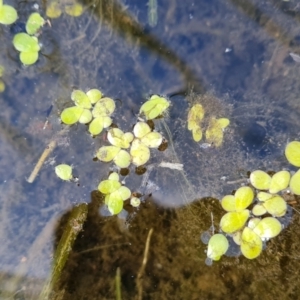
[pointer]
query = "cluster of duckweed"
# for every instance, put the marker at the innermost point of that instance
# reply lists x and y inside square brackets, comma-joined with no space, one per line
[253,212]
[54,9]
[95,110]
[8,14]
[2,84]
[27,43]
[213,131]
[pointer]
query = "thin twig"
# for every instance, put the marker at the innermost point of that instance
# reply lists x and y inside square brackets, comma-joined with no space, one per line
[41,161]
[118,284]
[143,266]
[50,147]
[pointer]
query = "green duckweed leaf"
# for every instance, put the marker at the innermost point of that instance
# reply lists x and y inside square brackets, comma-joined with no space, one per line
[94,95]
[122,159]
[275,206]
[139,152]
[107,153]
[128,137]
[234,221]
[2,86]
[64,172]
[152,139]
[34,23]
[96,126]
[114,176]
[268,228]
[228,203]
[263,196]
[8,15]
[26,43]
[243,198]
[108,186]
[141,129]
[53,10]
[253,222]
[258,210]
[295,183]
[154,107]
[237,237]
[260,180]
[195,116]
[279,181]
[104,107]
[28,58]
[124,192]
[117,138]
[223,122]
[86,116]
[71,115]
[197,134]
[107,121]
[114,203]
[135,202]
[214,133]
[251,244]
[81,99]
[292,153]
[217,246]
[74,10]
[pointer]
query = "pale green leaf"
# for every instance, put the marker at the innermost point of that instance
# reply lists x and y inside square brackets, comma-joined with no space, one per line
[64,172]
[234,221]
[25,43]
[251,244]
[122,159]
[29,58]
[109,186]
[94,95]
[34,23]
[152,139]
[81,99]
[295,183]
[268,228]
[139,152]
[217,246]
[141,129]
[260,180]
[107,153]
[292,153]
[71,115]
[86,116]
[8,15]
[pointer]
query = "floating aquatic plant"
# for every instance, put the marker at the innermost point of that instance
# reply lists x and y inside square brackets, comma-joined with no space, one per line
[34,23]
[195,117]
[274,204]
[295,183]
[214,133]
[251,243]
[217,246]
[115,193]
[236,205]
[292,153]
[8,14]
[64,172]
[54,9]
[279,181]
[119,139]
[260,180]
[113,153]
[28,47]
[154,107]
